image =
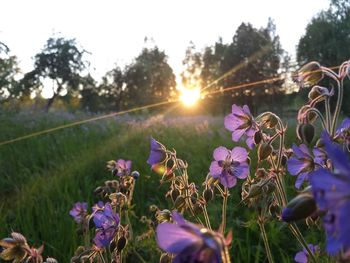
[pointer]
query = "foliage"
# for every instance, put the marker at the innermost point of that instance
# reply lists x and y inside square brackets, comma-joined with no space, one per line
[149,79]
[60,61]
[8,71]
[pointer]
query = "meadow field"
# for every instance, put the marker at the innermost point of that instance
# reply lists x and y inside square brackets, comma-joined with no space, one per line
[42,177]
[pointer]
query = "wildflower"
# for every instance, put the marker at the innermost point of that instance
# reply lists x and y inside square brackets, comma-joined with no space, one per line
[15,248]
[332,194]
[303,163]
[240,122]
[309,75]
[303,256]
[229,165]
[79,211]
[343,133]
[123,168]
[106,222]
[189,242]
[35,255]
[157,154]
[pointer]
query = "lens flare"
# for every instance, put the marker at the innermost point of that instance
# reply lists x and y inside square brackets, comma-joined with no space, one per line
[189,97]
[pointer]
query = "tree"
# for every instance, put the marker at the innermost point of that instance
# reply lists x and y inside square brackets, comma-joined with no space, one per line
[148,79]
[60,61]
[327,36]
[253,55]
[8,71]
[327,39]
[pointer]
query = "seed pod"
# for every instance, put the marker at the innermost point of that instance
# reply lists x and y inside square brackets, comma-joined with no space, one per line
[208,194]
[300,207]
[98,190]
[318,91]
[121,243]
[305,132]
[264,150]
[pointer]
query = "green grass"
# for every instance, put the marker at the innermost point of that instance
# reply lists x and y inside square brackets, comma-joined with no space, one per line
[42,177]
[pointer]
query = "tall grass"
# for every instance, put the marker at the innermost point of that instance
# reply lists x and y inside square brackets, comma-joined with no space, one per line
[42,177]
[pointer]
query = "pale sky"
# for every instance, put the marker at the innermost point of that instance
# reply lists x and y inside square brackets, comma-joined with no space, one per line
[114,31]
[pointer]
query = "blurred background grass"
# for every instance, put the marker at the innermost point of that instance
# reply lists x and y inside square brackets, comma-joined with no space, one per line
[42,177]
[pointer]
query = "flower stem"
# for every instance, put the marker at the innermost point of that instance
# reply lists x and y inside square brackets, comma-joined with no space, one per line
[266,241]
[296,232]
[328,114]
[206,217]
[224,210]
[338,106]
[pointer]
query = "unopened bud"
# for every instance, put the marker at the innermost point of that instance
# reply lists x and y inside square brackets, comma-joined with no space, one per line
[305,132]
[300,207]
[317,92]
[264,150]
[270,120]
[309,75]
[208,194]
[121,243]
[257,137]
[163,216]
[135,174]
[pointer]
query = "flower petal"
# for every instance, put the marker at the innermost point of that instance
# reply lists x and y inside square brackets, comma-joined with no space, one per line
[239,154]
[221,153]
[173,238]
[215,170]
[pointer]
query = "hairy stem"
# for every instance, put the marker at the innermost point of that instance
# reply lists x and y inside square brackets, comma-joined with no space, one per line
[224,210]
[296,232]
[266,241]
[338,107]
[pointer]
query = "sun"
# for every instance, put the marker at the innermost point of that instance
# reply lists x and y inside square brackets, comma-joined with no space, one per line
[189,97]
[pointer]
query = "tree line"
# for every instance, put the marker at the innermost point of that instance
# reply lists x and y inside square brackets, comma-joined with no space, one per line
[252,55]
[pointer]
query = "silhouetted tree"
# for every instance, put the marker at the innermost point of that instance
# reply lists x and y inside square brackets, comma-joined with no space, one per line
[148,79]
[60,61]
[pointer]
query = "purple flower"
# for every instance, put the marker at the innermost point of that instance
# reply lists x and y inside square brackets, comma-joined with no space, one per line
[189,242]
[79,211]
[157,154]
[122,168]
[106,222]
[240,122]
[229,165]
[302,163]
[302,256]
[331,190]
[343,133]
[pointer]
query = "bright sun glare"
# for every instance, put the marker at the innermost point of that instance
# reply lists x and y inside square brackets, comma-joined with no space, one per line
[189,97]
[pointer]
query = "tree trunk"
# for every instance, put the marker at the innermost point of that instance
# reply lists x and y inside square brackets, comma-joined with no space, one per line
[50,102]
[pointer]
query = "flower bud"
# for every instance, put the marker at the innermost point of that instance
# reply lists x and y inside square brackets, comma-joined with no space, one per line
[264,150]
[299,207]
[121,243]
[208,194]
[51,260]
[305,132]
[309,75]
[270,120]
[163,216]
[135,174]
[257,137]
[318,91]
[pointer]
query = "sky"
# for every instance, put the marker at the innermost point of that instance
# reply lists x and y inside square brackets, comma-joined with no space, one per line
[113,31]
